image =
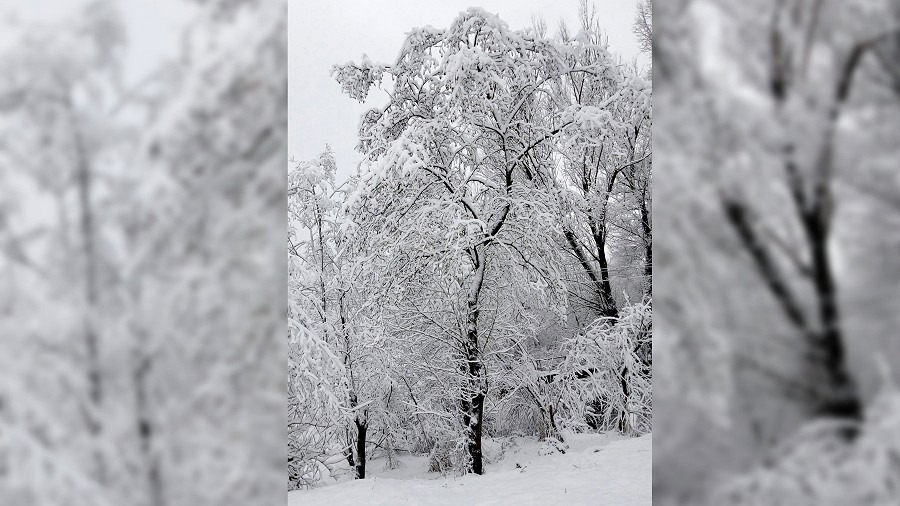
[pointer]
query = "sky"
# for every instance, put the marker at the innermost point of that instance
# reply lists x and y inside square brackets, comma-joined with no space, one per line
[324,33]
[153,27]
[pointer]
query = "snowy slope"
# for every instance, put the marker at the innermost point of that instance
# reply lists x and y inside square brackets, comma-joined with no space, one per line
[597,469]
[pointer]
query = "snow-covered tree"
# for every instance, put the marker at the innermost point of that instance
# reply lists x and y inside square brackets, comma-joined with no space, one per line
[337,369]
[459,207]
[604,166]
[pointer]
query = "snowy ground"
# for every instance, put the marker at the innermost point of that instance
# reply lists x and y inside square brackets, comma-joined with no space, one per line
[597,469]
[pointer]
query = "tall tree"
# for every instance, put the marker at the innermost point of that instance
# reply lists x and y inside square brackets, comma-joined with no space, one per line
[462,145]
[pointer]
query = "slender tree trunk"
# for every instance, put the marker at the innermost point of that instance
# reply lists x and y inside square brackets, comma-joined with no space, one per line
[554,430]
[647,232]
[626,393]
[91,339]
[147,433]
[842,400]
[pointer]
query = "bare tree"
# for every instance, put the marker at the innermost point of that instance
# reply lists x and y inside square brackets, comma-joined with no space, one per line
[643,25]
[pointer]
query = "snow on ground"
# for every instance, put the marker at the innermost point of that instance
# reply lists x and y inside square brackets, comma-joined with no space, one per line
[597,469]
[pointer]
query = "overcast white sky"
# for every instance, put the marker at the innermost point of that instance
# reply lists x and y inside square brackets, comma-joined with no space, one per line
[324,33]
[154,27]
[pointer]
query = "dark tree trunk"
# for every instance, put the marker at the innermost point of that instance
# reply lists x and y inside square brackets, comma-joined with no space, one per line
[604,287]
[648,242]
[842,399]
[475,427]
[554,430]
[362,425]
[626,393]
[472,403]
[600,285]
[836,393]
[361,428]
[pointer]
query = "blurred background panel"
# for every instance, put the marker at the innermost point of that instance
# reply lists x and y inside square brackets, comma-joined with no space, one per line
[777,193]
[142,273]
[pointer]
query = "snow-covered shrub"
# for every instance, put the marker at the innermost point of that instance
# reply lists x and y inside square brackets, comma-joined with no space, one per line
[819,466]
[316,389]
[552,446]
[439,458]
[518,414]
[605,380]
[495,449]
[448,457]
